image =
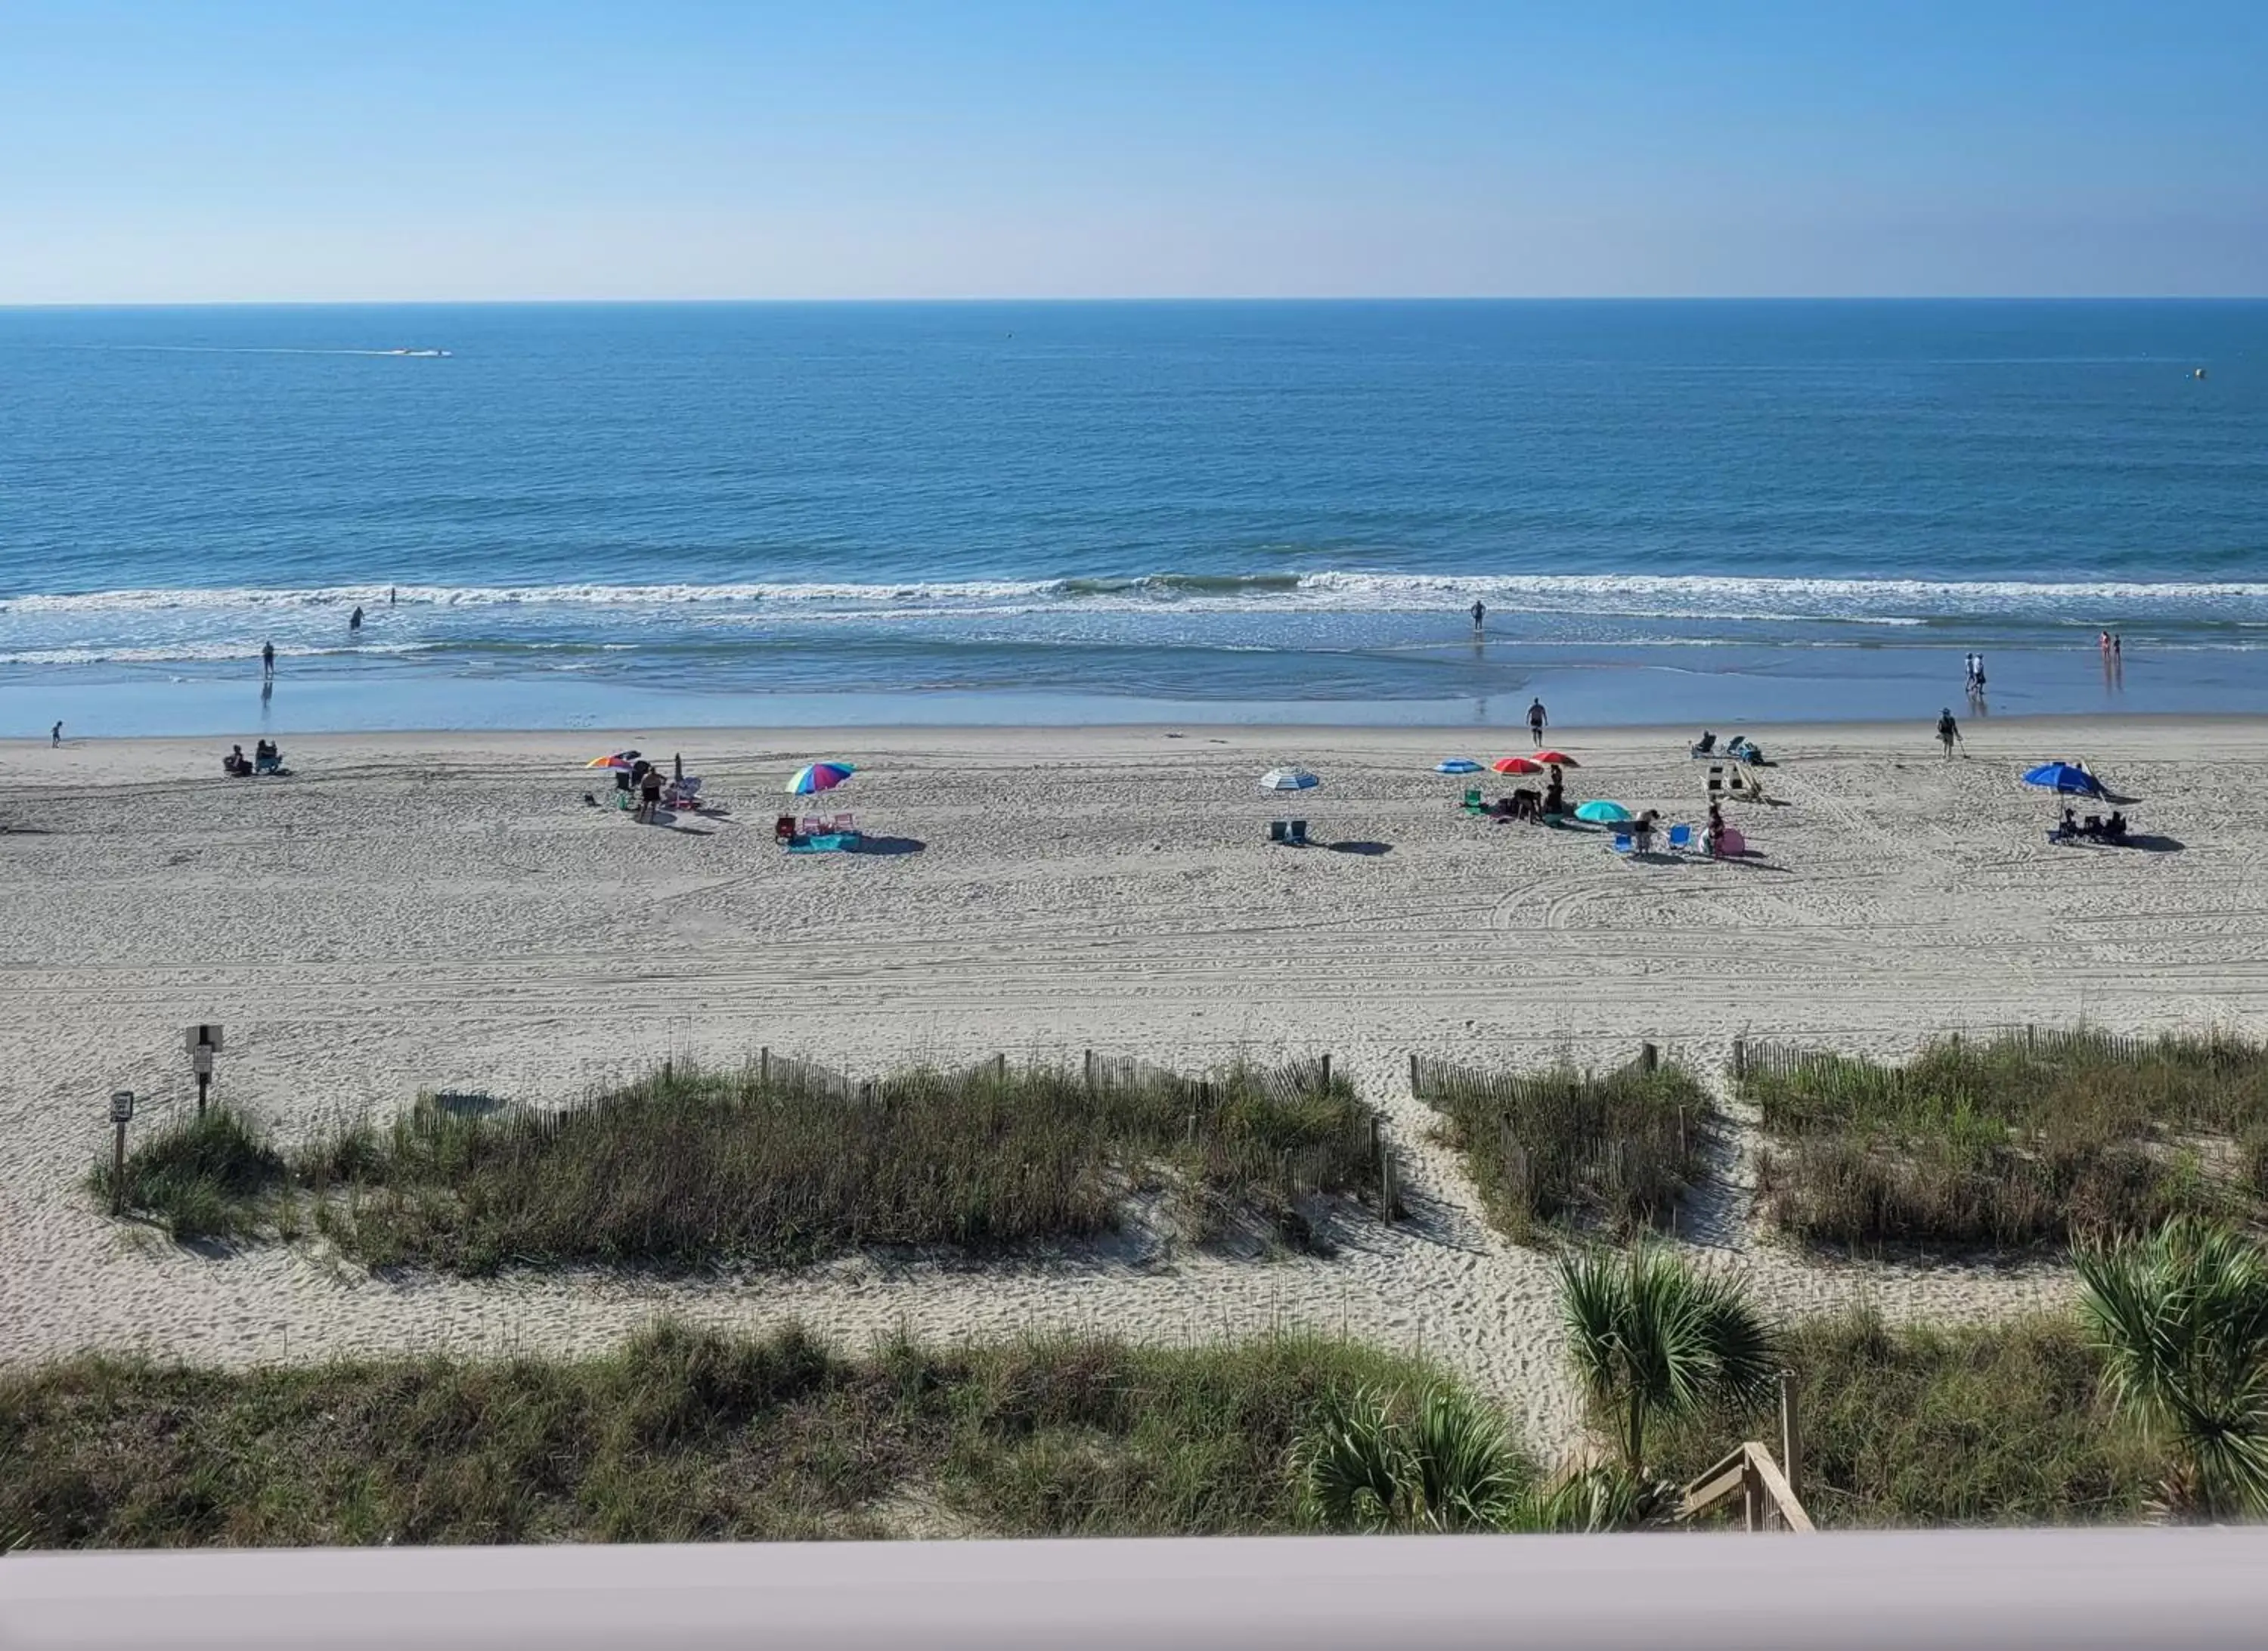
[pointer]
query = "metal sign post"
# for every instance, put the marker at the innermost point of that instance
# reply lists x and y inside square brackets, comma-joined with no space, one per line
[121,1112]
[205,1043]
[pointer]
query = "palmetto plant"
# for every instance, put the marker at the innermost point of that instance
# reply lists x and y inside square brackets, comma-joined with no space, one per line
[1652,1338]
[1373,1463]
[2181,1317]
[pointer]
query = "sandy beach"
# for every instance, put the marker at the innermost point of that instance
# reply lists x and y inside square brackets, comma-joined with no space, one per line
[428,911]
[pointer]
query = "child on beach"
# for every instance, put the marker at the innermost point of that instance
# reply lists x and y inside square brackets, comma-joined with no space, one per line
[1948,732]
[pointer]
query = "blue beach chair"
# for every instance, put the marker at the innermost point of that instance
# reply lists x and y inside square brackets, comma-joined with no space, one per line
[1623,842]
[1680,837]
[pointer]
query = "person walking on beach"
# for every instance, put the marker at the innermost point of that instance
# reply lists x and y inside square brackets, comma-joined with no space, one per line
[267,662]
[1535,721]
[1948,732]
[56,736]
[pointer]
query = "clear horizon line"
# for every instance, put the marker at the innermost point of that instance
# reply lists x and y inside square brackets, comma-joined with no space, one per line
[1135,299]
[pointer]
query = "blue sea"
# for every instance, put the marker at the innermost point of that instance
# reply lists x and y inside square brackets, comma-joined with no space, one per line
[559,515]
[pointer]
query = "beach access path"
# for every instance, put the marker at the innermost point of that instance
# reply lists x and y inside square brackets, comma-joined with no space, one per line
[439,911]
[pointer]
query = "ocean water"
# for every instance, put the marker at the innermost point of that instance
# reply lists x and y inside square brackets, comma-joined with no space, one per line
[718,513]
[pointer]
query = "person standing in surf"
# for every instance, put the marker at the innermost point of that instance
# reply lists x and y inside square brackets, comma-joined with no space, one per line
[1535,721]
[1479,614]
[354,620]
[267,662]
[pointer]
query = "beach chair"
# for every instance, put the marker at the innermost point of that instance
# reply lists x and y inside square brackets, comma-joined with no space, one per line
[844,825]
[269,764]
[1624,844]
[1277,830]
[1473,803]
[813,825]
[1295,833]
[1706,746]
[1680,837]
[1716,781]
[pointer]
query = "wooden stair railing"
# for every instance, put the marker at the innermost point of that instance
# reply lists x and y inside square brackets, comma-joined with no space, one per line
[1768,1496]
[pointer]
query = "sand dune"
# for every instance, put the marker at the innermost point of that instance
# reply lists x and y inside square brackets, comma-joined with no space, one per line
[434,910]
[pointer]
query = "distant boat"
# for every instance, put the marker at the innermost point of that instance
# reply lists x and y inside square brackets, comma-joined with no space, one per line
[414,352]
[2198,373]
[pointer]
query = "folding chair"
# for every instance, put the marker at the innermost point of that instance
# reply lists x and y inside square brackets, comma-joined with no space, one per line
[1623,842]
[1680,837]
[1297,834]
[1276,830]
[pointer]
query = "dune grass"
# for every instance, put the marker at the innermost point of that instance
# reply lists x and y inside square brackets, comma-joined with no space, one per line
[2015,1141]
[1606,1153]
[681,1435]
[693,1167]
[1990,1424]
[209,1175]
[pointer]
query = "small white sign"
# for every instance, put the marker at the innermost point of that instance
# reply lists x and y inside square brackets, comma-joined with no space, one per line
[207,1036]
[201,1061]
[121,1105]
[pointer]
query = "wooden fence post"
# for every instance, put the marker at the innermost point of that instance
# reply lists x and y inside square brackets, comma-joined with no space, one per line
[1740,1059]
[1327,1069]
[1088,1070]
[764,1065]
[1387,1197]
[1000,1066]
[1649,1058]
[1377,1137]
[1791,1436]
[1413,1075]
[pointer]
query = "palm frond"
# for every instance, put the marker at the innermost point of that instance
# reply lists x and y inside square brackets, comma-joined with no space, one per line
[1351,1462]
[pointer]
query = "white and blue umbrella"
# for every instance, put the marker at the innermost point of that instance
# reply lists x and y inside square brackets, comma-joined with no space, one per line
[1456,765]
[1288,779]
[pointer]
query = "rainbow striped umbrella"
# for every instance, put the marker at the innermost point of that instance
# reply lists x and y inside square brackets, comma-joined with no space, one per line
[818,777]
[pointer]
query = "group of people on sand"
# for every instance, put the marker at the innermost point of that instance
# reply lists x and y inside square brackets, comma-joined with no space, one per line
[267,757]
[2094,829]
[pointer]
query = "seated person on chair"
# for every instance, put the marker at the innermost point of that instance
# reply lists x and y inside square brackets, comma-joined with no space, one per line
[2068,826]
[2114,828]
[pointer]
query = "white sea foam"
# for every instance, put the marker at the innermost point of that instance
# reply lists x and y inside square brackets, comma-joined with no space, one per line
[1667,596]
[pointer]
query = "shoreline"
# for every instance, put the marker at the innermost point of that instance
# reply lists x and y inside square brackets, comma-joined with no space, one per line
[1621,736]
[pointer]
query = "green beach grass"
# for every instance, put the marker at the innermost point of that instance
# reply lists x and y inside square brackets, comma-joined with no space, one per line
[1608,1153]
[1997,1424]
[2013,1141]
[691,1167]
[679,1436]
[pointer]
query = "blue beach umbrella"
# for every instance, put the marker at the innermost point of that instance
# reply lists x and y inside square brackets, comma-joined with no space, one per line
[1602,813]
[1288,779]
[2067,777]
[818,777]
[1456,765]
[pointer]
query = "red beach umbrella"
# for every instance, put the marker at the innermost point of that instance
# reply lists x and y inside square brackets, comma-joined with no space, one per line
[1518,765]
[1560,757]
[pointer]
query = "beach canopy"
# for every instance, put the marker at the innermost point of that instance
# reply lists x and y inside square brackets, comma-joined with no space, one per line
[1288,779]
[617,759]
[1559,757]
[1602,813]
[2067,777]
[1456,765]
[1518,765]
[818,777]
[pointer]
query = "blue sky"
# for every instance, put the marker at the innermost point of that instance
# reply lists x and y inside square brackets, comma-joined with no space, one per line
[232,150]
